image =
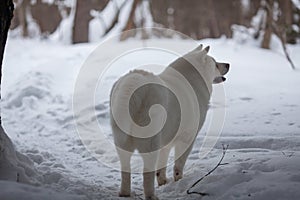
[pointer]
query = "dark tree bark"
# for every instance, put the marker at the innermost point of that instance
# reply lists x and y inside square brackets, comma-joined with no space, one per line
[203,18]
[268,29]
[6,14]
[20,19]
[281,25]
[213,19]
[81,22]
[287,19]
[83,17]
[46,24]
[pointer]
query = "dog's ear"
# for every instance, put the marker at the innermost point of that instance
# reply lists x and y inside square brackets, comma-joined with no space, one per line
[199,47]
[207,49]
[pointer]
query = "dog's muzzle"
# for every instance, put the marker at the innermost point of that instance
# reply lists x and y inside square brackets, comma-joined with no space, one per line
[223,69]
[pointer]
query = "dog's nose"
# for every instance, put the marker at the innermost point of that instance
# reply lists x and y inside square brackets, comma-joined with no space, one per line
[227,66]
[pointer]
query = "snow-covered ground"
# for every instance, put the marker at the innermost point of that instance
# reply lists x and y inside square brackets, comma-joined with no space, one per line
[262,124]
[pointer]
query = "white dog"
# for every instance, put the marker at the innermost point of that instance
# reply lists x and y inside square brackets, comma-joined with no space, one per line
[140,123]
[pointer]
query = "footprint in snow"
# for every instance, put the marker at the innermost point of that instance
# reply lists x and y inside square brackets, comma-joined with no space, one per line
[246,98]
[276,113]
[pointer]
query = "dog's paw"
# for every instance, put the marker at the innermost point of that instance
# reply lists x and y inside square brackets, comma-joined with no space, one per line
[177,178]
[177,175]
[124,194]
[153,197]
[161,180]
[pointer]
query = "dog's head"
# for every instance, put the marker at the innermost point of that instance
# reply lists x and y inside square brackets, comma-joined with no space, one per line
[220,69]
[209,66]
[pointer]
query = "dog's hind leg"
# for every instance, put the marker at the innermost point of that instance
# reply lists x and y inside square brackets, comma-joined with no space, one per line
[181,154]
[162,166]
[125,173]
[150,160]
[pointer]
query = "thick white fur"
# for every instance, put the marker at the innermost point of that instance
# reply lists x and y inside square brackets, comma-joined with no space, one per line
[126,143]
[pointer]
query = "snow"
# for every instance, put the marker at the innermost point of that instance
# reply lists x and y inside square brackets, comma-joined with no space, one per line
[14,166]
[262,124]
[245,4]
[63,32]
[13,190]
[102,20]
[296,3]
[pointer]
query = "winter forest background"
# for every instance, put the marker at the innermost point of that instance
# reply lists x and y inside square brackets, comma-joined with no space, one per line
[75,21]
[43,157]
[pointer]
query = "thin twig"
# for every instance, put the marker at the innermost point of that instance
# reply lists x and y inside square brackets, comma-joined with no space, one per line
[18,177]
[219,164]
[288,155]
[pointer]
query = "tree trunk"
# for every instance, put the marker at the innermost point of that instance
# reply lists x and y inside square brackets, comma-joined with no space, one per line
[22,13]
[287,20]
[214,26]
[47,24]
[287,11]
[268,26]
[81,22]
[82,19]
[6,14]
[6,147]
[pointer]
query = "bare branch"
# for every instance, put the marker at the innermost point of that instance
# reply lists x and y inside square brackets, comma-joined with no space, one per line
[280,34]
[219,164]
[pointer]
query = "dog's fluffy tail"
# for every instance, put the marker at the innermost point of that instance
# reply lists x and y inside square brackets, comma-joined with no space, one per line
[126,85]
[122,95]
